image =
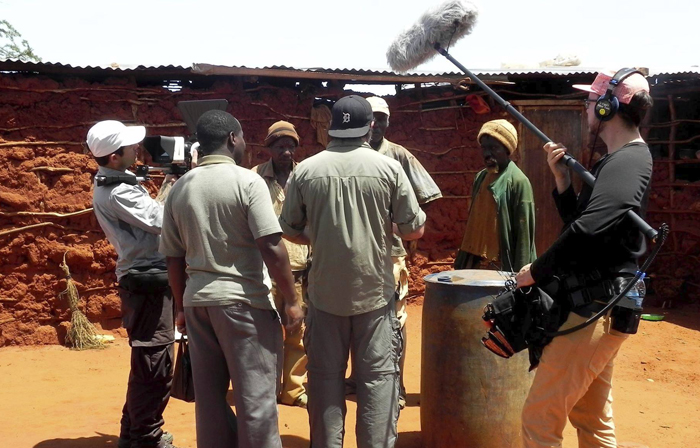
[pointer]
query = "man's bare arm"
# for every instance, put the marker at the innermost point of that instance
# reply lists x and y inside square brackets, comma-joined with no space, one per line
[177,278]
[274,254]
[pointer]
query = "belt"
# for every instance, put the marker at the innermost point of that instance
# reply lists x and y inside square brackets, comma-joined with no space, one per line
[611,288]
[145,281]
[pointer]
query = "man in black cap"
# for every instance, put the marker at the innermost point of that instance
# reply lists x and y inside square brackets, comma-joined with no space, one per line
[347,202]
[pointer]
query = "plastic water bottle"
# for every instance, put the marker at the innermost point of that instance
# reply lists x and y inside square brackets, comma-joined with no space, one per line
[637,293]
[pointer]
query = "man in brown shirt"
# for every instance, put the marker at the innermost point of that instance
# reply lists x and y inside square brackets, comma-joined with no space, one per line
[281,142]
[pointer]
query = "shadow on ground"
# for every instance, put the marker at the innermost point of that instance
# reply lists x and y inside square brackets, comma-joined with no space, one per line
[98,441]
[409,439]
[684,314]
[289,441]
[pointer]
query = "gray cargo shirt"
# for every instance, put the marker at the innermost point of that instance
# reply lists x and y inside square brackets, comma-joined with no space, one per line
[348,196]
[131,220]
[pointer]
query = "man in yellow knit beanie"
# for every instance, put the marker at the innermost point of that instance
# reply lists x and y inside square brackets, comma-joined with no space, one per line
[501,199]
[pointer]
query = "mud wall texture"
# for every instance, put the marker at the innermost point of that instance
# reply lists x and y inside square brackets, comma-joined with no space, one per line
[46,176]
[46,181]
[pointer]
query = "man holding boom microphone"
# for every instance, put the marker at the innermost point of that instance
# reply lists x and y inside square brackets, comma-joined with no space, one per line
[594,257]
[590,262]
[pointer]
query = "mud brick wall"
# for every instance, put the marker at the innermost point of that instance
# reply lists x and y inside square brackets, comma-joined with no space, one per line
[675,196]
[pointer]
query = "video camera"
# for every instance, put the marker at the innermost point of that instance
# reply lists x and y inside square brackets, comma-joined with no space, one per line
[170,155]
[173,155]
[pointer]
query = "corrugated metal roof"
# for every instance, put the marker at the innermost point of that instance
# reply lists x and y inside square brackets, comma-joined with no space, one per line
[116,67]
[666,71]
[204,68]
[347,74]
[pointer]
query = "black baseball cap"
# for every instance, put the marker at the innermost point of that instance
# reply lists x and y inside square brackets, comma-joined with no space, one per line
[351,117]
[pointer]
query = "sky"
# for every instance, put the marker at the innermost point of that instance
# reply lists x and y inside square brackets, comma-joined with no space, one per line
[353,34]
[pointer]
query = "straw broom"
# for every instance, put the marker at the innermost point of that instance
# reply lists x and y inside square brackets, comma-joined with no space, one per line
[82,334]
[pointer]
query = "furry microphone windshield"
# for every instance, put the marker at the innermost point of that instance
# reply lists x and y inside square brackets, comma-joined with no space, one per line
[444,24]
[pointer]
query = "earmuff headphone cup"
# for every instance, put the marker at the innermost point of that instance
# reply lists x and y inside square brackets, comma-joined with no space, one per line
[606,108]
[607,105]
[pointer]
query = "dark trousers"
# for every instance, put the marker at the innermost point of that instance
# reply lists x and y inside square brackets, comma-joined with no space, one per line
[147,316]
[147,395]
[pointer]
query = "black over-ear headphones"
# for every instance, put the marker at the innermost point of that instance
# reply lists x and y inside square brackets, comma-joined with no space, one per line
[607,105]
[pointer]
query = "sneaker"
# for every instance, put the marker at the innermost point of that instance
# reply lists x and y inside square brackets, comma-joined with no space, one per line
[166,441]
[167,437]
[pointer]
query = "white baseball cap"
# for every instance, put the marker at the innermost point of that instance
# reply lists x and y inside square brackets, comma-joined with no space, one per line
[107,136]
[379,105]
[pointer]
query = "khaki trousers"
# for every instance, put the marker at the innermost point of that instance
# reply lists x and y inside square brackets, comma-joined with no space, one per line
[401,276]
[574,380]
[294,365]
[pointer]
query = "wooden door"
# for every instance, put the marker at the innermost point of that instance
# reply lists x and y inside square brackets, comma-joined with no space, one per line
[563,121]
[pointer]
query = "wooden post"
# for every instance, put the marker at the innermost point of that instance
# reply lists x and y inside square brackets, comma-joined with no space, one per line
[672,166]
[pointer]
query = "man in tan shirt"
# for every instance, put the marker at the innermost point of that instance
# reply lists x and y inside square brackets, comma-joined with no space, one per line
[347,202]
[281,142]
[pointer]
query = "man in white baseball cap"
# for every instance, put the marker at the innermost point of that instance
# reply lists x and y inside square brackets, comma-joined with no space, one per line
[132,221]
[106,137]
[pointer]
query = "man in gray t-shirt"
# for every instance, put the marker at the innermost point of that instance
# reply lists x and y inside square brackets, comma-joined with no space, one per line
[220,233]
[347,202]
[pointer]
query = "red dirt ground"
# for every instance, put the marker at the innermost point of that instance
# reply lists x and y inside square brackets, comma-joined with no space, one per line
[53,397]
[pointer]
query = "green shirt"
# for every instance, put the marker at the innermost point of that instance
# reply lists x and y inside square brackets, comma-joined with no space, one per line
[515,203]
[212,217]
[348,196]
